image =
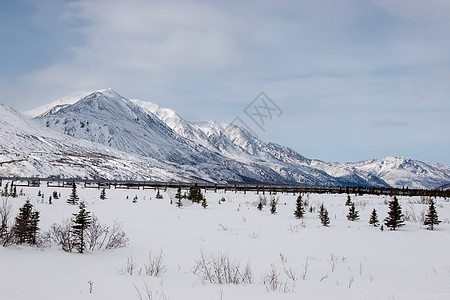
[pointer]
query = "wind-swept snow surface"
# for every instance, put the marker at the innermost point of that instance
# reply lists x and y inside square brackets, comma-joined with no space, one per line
[348,260]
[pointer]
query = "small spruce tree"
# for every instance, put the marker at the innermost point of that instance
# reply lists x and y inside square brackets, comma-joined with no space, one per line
[323,215]
[5,192]
[431,218]
[394,219]
[13,191]
[260,206]
[26,228]
[73,198]
[204,204]
[195,194]
[33,228]
[299,208]
[353,214]
[103,194]
[349,201]
[178,196]
[374,218]
[81,222]
[273,206]
[22,224]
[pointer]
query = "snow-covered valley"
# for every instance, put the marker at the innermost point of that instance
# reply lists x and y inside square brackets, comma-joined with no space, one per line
[347,260]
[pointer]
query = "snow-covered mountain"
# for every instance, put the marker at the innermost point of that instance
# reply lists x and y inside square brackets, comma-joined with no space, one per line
[114,137]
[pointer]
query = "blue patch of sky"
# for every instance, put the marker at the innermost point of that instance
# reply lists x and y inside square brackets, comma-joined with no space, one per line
[33,36]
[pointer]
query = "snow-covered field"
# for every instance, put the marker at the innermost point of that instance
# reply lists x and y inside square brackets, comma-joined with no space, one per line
[348,260]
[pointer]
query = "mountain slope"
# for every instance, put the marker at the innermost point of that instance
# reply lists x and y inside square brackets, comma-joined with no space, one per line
[208,151]
[29,149]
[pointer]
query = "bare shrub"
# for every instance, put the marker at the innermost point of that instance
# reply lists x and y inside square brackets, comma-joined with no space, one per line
[350,281]
[60,234]
[333,261]
[116,237]
[129,267]
[254,234]
[271,279]
[155,265]
[96,234]
[305,269]
[6,235]
[219,268]
[148,294]
[102,237]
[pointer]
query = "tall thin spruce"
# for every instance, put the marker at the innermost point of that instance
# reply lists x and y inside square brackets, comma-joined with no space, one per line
[374,218]
[394,219]
[299,208]
[81,222]
[73,198]
[431,218]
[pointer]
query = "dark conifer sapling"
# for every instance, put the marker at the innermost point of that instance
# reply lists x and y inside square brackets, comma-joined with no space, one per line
[431,218]
[353,214]
[374,218]
[73,198]
[299,208]
[103,194]
[349,201]
[323,215]
[81,222]
[273,206]
[394,219]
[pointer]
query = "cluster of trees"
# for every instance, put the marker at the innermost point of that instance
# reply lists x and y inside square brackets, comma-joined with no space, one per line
[9,190]
[393,220]
[25,228]
[83,231]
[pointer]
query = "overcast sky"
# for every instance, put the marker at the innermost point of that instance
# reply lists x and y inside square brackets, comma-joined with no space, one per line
[352,79]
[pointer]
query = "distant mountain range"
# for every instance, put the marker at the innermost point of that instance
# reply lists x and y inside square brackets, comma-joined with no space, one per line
[104,135]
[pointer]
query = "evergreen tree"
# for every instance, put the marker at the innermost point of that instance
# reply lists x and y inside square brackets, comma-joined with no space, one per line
[103,194]
[26,226]
[353,214]
[33,228]
[178,196]
[273,206]
[81,222]
[299,208]
[204,204]
[22,223]
[431,218]
[349,201]
[395,215]
[323,215]
[73,198]
[13,192]
[158,195]
[374,218]
[195,194]
[5,192]
[260,206]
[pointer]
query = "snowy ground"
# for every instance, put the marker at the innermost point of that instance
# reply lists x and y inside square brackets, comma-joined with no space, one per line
[348,260]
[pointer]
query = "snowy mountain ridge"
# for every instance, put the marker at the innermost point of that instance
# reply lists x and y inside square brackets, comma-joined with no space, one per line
[208,151]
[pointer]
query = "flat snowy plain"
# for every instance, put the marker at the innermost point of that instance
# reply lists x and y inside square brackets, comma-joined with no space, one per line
[348,260]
